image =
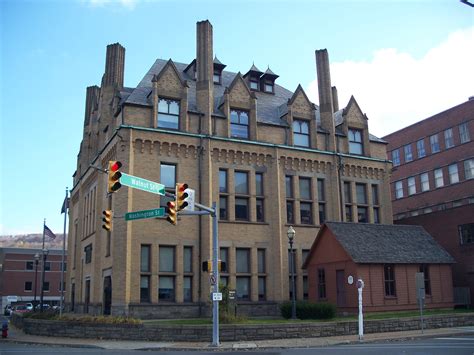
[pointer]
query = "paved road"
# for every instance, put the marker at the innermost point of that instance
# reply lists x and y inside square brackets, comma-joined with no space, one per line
[458,345]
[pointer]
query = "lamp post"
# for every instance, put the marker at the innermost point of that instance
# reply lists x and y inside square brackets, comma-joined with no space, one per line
[45,257]
[291,236]
[37,256]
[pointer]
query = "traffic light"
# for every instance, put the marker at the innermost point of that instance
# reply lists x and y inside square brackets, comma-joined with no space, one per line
[222,265]
[207,266]
[113,182]
[172,213]
[108,216]
[181,196]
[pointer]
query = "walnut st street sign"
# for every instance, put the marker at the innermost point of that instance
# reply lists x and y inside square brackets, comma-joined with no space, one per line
[142,184]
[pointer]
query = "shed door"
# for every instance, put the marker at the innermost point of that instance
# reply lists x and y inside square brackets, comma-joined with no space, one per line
[340,288]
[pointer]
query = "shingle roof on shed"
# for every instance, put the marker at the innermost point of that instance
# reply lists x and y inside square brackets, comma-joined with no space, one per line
[382,243]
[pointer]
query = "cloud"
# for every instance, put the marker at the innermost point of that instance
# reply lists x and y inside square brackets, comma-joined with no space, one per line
[396,90]
[128,4]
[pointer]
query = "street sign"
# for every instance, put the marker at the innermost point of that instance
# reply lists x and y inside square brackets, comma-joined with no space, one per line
[212,279]
[217,296]
[157,212]
[232,294]
[142,184]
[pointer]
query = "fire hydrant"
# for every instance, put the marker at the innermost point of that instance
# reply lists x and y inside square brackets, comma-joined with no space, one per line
[5,329]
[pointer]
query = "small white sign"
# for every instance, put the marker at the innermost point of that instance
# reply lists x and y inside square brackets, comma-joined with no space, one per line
[350,280]
[217,296]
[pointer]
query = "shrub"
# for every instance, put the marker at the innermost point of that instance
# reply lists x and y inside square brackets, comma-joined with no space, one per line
[307,310]
[84,319]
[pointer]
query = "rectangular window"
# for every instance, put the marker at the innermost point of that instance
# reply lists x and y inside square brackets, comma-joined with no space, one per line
[262,288]
[396,157]
[28,286]
[188,259]
[376,215]
[321,284]
[434,143]
[261,261]
[399,189]
[253,84]
[262,277]
[223,197]
[408,153]
[469,169]
[223,215]
[145,258]
[224,256]
[46,286]
[424,268]
[289,199]
[448,138]
[453,174]
[305,188]
[166,261]
[306,209]
[47,266]
[289,212]
[239,124]
[355,142]
[241,202]
[306,212]
[362,215]
[464,133]
[268,86]
[466,233]
[187,289]
[242,260]
[260,196]
[361,194]
[301,133]
[420,147]
[88,254]
[289,186]
[217,78]
[166,288]
[144,288]
[411,186]
[438,174]
[29,265]
[167,178]
[425,182]
[243,288]
[223,181]
[375,203]
[348,201]
[168,113]
[321,201]
[389,280]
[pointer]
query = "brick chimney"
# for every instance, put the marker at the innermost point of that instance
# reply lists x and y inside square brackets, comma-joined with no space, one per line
[325,97]
[335,99]
[205,73]
[92,102]
[114,66]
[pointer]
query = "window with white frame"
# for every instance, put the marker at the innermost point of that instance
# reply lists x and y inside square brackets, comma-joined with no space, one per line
[434,143]
[399,189]
[420,147]
[464,133]
[469,169]
[396,157]
[425,182]
[301,133]
[168,113]
[448,138]
[453,174]
[439,181]
[355,141]
[408,153]
[239,124]
[411,185]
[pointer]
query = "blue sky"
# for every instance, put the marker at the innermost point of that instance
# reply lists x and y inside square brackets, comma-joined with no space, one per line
[402,60]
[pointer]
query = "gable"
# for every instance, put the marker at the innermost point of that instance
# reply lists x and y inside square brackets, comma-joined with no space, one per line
[353,115]
[168,82]
[301,106]
[239,93]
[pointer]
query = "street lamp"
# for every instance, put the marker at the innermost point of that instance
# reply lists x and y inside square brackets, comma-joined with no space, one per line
[37,256]
[291,236]
[45,257]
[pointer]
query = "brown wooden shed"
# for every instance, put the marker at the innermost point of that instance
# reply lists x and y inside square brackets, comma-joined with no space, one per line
[386,258]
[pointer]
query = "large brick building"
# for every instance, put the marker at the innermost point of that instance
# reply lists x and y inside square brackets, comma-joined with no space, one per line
[433,184]
[268,156]
[20,274]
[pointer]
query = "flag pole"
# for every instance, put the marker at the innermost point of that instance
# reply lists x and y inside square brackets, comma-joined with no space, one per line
[61,301]
[42,270]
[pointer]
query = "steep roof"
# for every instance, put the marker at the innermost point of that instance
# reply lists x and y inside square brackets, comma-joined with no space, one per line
[383,243]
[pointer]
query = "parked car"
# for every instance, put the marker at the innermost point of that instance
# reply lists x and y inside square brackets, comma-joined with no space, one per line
[8,310]
[29,306]
[21,308]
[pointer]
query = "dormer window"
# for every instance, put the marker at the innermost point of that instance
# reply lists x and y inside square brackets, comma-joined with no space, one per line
[217,78]
[355,141]
[168,113]
[253,84]
[269,86]
[239,124]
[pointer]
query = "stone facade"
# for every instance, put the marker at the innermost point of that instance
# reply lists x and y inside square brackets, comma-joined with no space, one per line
[106,275]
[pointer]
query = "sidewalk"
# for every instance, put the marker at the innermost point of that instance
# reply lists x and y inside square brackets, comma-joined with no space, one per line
[17,335]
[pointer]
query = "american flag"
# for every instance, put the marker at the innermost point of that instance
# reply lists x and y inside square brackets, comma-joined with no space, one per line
[49,232]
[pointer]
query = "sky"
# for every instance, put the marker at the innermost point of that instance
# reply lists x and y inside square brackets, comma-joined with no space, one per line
[403,61]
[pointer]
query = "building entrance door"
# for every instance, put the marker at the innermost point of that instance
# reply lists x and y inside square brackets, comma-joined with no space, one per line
[340,288]
[107,294]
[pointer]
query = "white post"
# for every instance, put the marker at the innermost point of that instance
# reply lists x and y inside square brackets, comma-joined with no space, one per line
[360,286]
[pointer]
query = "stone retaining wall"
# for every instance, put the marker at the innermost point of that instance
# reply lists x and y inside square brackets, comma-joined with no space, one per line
[234,332]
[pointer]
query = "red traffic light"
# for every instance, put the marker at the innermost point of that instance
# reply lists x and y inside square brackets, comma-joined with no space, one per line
[115,166]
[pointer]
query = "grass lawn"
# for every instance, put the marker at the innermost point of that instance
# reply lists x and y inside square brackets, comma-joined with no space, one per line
[250,321]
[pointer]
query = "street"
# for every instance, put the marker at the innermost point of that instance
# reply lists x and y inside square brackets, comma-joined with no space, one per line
[458,345]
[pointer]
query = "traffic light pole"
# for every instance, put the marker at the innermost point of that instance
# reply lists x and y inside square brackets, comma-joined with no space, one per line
[215,267]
